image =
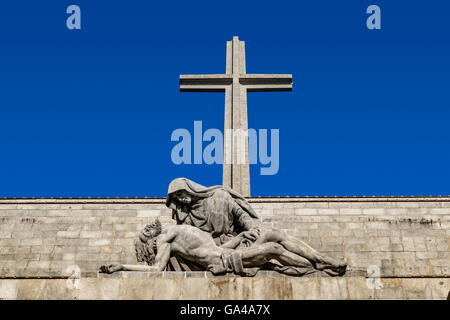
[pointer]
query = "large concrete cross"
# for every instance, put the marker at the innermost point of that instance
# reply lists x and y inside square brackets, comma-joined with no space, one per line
[236,83]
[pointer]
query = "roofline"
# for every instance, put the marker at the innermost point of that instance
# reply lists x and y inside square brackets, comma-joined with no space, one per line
[157,200]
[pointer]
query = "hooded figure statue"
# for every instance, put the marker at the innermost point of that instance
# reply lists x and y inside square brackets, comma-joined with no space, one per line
[218,210]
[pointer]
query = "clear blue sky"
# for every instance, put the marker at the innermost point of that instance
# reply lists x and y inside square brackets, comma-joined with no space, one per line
[90,112]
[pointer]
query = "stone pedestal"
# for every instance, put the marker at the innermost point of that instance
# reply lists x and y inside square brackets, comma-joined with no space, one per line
[199,286]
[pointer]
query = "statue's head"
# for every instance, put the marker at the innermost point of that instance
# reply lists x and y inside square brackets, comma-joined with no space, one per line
[184,192]
[145,245]
[151,231]
[183,197]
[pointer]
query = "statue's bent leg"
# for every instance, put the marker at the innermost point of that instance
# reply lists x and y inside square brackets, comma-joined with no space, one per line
[257,256]
[289,243]
[288,258]
[294,245]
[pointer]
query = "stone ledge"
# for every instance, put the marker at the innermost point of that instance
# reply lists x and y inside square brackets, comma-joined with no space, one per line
[44,274]
[39,273]
[225,288]
[161,200]
[207,274]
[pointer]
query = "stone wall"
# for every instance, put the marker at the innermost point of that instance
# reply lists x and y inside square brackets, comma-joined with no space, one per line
[405,237]
[261,287]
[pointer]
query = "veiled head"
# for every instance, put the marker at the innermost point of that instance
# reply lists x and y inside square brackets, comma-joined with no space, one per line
[183,192]
[183,197]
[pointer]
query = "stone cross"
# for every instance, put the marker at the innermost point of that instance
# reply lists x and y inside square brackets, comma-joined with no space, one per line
[236,83]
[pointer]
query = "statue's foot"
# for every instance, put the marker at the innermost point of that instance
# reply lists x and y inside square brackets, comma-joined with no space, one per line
[111,268]
[337,269]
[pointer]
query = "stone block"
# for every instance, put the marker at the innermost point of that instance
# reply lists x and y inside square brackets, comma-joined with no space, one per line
[306,212]
[317,205]
[91,234]
[407,204]
[38,264]
[350,211]
[426,255]
[68,234]
[31,242]
[328,211]
[8,289]
[148,213]
[439,211]
[100,242]
[374,211]
[5,234]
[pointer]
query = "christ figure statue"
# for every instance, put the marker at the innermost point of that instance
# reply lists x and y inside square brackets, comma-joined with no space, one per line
[291,256]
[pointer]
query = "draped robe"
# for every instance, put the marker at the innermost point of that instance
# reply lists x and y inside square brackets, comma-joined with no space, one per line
[218,210]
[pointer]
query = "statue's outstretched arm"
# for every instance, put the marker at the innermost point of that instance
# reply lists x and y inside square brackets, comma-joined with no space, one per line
[126,267]
[139,267]
[161,259]
[233,242]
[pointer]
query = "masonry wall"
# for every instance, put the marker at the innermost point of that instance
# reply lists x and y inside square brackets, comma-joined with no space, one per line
[405,237]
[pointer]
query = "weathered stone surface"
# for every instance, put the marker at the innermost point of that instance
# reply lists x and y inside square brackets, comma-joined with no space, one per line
[281,288]
[409,239]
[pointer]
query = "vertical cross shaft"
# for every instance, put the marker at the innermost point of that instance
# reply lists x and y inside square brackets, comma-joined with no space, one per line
[236,173]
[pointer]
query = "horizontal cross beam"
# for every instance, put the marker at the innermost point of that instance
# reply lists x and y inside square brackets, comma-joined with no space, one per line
[252,82]
[205,82]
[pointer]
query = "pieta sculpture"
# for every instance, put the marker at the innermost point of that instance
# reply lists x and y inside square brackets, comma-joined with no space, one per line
[218,231]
